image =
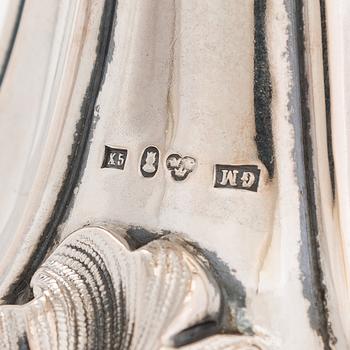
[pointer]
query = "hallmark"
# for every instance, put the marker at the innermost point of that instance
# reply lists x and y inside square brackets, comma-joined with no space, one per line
[149,161]
[114,158]
[243,177]
[180,167]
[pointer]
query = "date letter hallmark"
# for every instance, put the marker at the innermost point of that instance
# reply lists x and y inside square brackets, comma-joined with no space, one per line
[242,177]
[114,158]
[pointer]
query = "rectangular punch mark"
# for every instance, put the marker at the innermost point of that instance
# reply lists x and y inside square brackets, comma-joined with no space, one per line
[114,158]
[242,177]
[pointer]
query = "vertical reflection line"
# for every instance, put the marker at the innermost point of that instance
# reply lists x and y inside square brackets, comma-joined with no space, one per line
[262,90]
[313,285]
[11,44]
[327,94]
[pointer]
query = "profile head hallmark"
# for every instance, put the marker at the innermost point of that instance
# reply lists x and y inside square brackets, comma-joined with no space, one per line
[149,161]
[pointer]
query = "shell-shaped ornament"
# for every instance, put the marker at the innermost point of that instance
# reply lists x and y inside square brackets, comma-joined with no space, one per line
[95,292]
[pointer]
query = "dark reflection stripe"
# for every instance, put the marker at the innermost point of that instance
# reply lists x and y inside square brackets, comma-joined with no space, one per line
[327,94]
[22,342]
[262,90]
[6,61]
[314,288]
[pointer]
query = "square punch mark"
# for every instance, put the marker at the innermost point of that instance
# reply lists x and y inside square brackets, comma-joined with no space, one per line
[114,158]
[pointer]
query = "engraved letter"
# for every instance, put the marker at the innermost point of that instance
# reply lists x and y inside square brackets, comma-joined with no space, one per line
[229,176]
[248,179]
[111,159]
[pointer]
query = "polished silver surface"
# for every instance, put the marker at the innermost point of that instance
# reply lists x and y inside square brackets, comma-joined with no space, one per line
[174,175]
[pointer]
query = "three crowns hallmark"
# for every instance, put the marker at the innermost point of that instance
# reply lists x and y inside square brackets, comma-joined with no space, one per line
[180,167]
